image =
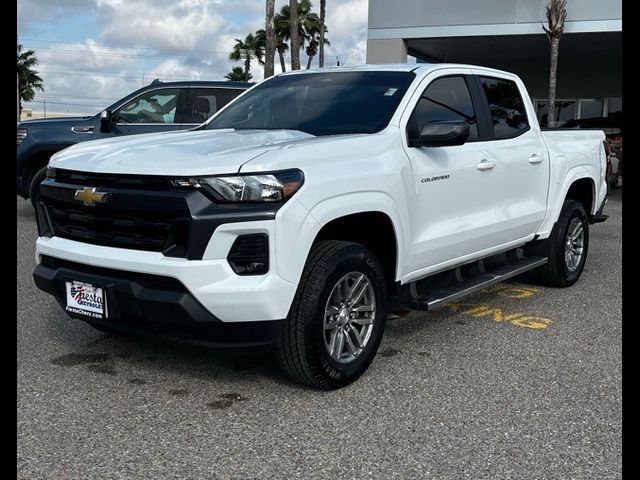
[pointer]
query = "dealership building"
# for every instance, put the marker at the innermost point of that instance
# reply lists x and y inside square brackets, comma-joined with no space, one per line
[508,34]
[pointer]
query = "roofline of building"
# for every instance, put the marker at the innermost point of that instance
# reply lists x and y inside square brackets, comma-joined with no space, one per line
[582,26]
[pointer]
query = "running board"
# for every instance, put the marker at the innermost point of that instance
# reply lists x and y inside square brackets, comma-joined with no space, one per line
[480,278]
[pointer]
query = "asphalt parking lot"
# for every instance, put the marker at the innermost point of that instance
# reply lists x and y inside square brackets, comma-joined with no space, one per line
[516,382]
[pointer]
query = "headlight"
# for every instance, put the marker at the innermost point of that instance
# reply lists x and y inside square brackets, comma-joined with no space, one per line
[22,134]
[51,172]
[267,187]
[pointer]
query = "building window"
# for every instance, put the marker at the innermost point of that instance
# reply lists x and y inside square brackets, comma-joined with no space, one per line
[565,110]
[506,106]
[590,108]
[614,107]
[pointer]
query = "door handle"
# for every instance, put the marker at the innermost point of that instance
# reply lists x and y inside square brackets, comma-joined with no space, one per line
[533,159]
[485,165]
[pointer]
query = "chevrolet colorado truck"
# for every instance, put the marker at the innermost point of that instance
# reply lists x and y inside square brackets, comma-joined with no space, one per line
[307,206]
[157,107]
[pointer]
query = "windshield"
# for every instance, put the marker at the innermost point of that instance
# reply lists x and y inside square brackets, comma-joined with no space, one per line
[319,103]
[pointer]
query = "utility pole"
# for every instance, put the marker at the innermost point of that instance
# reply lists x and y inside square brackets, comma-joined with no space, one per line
[45,108]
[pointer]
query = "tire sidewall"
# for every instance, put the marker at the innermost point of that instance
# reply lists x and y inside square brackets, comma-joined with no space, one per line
[574,210]
[351,259]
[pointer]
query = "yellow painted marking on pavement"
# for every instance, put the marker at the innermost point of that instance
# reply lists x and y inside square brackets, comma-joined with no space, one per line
[498,315]
[513,291]
[536,323]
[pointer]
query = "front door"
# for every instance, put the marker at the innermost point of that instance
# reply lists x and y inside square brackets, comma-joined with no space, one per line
[456,188]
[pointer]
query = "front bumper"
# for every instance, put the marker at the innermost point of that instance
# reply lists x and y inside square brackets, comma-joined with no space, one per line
[153,305]
[212,282]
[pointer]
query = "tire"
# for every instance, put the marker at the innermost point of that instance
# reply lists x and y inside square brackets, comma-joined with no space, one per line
[562,270]
[303,348]
[34,186]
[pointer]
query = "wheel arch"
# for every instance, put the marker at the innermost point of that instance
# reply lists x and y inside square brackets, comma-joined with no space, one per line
[34,162]
[356,227]
[339,218]
[580,185]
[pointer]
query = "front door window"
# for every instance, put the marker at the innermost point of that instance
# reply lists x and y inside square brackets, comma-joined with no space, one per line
[156,106]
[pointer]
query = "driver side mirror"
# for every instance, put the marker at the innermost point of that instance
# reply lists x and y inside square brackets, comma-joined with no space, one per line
[441,134]
[105,121]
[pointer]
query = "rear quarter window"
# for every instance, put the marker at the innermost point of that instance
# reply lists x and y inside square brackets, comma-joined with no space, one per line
[508,115]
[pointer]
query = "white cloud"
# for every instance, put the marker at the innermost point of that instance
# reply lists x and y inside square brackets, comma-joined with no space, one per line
[172,40]
[347,24]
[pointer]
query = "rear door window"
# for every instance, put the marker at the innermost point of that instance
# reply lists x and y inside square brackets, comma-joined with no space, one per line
[204,102]
[508,115]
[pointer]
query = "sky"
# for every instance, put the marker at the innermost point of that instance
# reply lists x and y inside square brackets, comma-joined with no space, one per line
[93,52]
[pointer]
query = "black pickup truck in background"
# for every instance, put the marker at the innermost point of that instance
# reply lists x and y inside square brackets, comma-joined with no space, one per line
[157,107]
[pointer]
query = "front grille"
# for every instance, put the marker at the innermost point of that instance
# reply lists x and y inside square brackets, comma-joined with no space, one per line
[89,179]
[153,231]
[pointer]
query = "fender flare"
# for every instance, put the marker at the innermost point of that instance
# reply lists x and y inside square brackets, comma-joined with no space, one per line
[293,250]
[579,172]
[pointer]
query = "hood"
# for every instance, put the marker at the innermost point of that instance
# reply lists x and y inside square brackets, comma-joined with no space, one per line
[60,121]
[180,153]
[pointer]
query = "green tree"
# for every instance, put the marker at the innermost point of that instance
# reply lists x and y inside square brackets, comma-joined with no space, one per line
[556,15]
[308,29]
[247,50]
[237,75]
[312,32]
[28,78]
[281,22]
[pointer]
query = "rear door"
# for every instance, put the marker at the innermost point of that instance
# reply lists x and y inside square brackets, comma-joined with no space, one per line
[155,110]
[203,102]
[455,188]
[520,154]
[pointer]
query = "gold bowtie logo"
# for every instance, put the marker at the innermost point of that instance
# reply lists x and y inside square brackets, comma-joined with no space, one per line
[89,197]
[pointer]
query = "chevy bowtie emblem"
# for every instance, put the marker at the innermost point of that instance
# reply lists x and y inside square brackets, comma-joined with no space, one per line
[89,197]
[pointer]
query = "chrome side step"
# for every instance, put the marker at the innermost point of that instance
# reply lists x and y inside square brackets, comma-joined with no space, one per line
[479,278]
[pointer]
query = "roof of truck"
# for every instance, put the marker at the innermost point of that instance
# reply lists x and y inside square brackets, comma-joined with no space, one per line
[392,67]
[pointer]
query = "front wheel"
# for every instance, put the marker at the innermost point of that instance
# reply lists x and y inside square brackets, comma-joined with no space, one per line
[337,318]
[566,247]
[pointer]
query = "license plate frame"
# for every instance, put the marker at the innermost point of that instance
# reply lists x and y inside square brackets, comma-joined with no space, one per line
[86,299]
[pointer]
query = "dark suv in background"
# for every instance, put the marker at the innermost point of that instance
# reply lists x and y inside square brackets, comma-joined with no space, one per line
[157,107]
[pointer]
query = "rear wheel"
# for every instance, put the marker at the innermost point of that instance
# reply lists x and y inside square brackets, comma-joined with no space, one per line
[566,247]
[337,318]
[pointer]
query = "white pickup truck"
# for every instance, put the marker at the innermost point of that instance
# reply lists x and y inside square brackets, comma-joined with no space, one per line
[304,208]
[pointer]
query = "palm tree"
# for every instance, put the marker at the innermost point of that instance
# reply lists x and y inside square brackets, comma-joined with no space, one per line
[28,79]
[323,29]
[556,15]
[281,21]
[294,34]
[248,49]
[308,29]
[312,35]
[237,75]
[270,43]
